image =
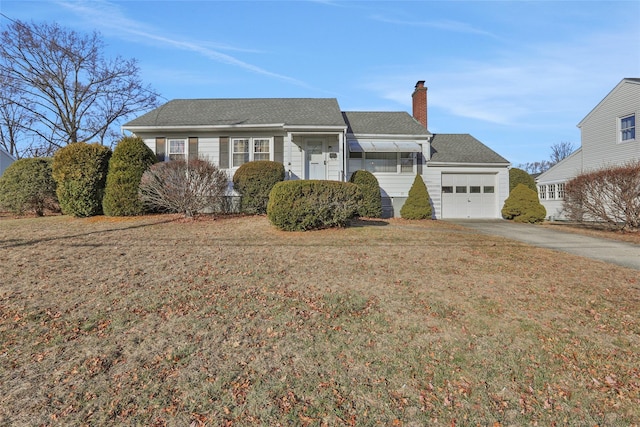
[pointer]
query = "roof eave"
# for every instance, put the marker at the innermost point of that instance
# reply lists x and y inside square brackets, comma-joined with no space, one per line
[467,164]
[151,128]
[389,136]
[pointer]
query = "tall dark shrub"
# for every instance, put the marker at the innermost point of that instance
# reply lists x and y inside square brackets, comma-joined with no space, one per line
[80,172]
[418,205]
[523,205]
[254,181]
[131,158]
[313,204]
[519,176]
[371,198]
[27,186]
[186,187]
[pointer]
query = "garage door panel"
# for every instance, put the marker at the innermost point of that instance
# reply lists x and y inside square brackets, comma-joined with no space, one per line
[469,196]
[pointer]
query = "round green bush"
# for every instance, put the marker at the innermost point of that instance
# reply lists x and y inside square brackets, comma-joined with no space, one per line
[371,198]
[417,205]
[313,204]
[254,181]
[130,159]
[523,205]
[519,176]
[80,172]
[27,186]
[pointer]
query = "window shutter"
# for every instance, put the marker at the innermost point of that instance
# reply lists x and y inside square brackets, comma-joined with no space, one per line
[193,148]
[278,149]
[161,149]
[224,152]
[419,158]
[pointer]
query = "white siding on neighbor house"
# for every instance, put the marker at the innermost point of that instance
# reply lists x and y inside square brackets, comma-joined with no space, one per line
[600,128]
[562,172]
[5,160]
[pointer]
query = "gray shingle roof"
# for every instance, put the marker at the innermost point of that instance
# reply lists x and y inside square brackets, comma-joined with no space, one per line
[462,148]
[383,123]
[243,111]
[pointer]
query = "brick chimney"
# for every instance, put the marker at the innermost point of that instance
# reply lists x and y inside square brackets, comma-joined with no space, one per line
[420,103]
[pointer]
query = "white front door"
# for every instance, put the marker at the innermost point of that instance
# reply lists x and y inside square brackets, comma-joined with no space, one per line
[316,162]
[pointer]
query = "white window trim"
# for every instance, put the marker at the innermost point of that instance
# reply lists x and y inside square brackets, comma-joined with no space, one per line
[185,153]
[620,130]
[398,171]
[251,148]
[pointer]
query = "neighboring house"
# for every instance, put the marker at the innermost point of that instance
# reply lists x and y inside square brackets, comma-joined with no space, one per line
[608,138]
[314,139]
[5,160]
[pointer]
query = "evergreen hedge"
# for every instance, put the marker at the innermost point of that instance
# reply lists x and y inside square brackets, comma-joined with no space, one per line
[417,205]
[523,205]
[372,199]
[313,204]
[130,159]
[254,181]
[27,186]
[80,172]
[519,176]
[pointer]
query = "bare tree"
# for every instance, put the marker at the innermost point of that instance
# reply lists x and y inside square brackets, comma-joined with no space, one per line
[61,80]
[14,120]
[560,151]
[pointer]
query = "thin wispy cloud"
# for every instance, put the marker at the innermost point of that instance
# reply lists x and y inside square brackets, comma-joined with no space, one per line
[119,25]
[444,25]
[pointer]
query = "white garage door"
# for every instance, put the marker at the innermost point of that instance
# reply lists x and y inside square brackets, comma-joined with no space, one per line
[469,196]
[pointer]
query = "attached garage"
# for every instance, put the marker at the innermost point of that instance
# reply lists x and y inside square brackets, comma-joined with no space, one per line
[469,195]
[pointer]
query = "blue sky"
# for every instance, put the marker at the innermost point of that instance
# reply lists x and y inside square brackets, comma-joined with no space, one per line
[518,76]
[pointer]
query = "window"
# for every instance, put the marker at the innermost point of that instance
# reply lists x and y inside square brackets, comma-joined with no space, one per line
[461,189]
[561,191]
[628,128]
[381,162]
[474,189]
[249,149]
[488,189]
[177,149]
[542,192]
[447,189]
[552,191]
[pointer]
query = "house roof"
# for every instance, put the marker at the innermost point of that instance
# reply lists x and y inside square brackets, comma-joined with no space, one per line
[462,148]
[632,80]
[383,123]
[243,111]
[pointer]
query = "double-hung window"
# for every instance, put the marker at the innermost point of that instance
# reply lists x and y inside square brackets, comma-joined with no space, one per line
[628,128]
[552,191]
[561,191]
[542,192]
[177,149]
[249,149]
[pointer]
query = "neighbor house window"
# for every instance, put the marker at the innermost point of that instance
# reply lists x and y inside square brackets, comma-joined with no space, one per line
[250,149]
[628,128]
[561,191]
[542,192]
[552,191]
[177,149]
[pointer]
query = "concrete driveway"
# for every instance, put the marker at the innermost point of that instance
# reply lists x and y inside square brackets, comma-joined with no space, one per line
[611,251]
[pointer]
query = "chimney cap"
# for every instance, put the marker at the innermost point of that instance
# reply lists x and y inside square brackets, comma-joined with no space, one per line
[420,84]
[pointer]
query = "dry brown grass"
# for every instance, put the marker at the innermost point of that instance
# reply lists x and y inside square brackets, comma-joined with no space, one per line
[161,321]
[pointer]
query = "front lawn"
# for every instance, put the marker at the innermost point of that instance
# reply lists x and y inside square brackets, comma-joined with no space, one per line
[161,321]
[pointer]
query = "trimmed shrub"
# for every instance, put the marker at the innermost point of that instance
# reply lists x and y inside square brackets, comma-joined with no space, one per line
[371,198]
[186,187]
[130,159]
[418,205]
[313,204]
[610,195]
[80,172]
[523,205]
[519,176]
[27,186]
[254,181]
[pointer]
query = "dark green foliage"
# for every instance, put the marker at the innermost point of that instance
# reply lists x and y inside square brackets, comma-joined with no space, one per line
[519,176]
[27,186]
[254,181]
[418,205]
[372,200]
[523,205]
[311,204]
[80,172]
[130,160]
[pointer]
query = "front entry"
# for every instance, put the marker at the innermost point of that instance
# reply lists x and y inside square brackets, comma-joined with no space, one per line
[316,161]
